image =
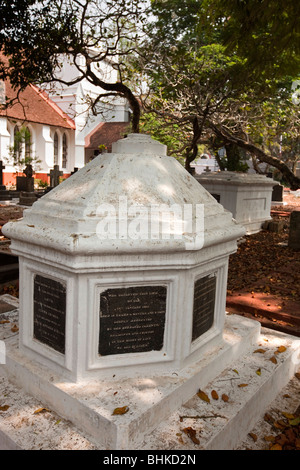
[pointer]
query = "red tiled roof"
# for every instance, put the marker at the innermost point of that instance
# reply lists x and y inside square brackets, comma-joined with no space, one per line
[106,133]
[34,105]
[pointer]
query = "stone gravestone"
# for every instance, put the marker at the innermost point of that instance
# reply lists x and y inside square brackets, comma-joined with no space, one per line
[4,194]
[294,234]
[277,194]
[54,176]
[27,195]
[207,169]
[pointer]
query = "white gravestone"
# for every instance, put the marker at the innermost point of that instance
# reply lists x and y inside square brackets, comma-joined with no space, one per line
[247,196]
[115,281]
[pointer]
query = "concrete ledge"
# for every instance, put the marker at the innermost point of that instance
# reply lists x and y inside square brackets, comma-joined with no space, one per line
[220,425]
[155,403]
[150,399]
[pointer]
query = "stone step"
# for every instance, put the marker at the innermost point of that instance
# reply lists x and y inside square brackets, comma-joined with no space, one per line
[161,411]
[244,392]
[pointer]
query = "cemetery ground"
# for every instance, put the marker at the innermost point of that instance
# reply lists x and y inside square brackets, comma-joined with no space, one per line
[263,283]
[264,274]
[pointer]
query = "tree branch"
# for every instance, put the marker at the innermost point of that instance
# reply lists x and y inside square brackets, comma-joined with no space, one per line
[287,173]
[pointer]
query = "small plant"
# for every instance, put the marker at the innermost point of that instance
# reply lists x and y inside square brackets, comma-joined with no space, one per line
[43,184]
[20,153]
[102,148]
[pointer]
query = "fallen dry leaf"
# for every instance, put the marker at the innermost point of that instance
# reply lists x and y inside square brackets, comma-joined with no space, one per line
[268,418]
[273,359]
[288,415]
[281,349]
[121,411]
[279,424]
[14,328]
[215,395]
[4,407]
[254,436]
[242,385]
[295,421]
[192,434]
[41,410]
[258,371]
[225,397]
[261,351]
[269,438]
[203,396]
[276,447]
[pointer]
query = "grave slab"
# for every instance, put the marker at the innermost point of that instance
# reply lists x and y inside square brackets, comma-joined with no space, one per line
[294,233]
[160,409]
[246,196]
[4,193]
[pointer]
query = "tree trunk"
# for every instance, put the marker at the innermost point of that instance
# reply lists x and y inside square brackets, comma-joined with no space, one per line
[122,90]
[192,151]
[288,174]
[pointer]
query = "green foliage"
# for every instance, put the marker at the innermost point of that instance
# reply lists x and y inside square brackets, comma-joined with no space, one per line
[165,131]
[234,159]
[265,32]
[200,81]
[20,153]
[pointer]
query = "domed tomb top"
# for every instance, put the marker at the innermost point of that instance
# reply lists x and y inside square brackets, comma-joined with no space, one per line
[133,199]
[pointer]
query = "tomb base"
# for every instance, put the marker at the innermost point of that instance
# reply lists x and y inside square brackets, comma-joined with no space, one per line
[27,198]
[158,408]
[4,194]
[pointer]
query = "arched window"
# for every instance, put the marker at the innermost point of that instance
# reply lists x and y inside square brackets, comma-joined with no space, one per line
[27,139]
[64,151]
[55,146]
[17,143]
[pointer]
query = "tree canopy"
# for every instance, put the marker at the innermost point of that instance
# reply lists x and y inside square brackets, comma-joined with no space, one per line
[37,35]
[208,90]
[266,32]
[217,72]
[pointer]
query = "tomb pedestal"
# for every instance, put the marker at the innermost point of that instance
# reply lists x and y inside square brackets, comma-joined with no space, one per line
[4,194]
[27,198]
[246,196]
[113,282]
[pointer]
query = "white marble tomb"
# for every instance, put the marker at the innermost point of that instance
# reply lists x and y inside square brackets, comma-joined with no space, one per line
[247,196]
[109,285]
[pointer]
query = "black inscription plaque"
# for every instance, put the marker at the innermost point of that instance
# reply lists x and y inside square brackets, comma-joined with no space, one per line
[132,319]
[204,305]
[49,317]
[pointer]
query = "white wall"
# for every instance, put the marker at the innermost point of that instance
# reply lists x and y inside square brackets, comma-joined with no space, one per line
[42,145]
[73,101]
[4,139]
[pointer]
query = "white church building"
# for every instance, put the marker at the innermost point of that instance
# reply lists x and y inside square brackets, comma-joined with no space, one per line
[60,130]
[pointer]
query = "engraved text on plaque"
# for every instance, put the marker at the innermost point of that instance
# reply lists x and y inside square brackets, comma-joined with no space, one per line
[49,312]
[132,319]
[204,305]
